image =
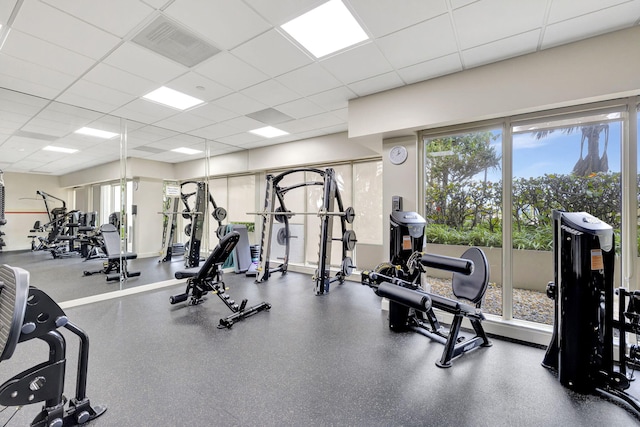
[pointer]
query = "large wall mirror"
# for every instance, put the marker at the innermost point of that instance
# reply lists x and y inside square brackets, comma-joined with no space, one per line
[72,176]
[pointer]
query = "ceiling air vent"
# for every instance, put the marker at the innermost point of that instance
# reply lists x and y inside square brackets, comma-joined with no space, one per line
[175,42]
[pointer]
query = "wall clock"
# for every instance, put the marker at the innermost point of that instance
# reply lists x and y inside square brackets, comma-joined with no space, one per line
[398,154]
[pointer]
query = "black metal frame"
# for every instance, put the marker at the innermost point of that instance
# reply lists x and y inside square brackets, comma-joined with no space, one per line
[41,318]
[209,279]
[196,213]
[331,197]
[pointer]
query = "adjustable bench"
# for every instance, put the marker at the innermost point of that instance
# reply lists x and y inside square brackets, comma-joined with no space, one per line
[411,308]
[111,248]
[208,278]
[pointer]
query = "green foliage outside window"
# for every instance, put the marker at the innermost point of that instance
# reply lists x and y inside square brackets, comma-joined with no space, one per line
[462,208]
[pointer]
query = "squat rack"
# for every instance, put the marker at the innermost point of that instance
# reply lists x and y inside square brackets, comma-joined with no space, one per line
[274,194]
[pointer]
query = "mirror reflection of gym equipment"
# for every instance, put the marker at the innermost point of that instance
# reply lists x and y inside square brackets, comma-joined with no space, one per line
[197,204]
[331,199]
[66,233]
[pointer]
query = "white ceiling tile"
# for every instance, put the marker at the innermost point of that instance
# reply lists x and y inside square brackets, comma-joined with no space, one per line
[240,139]
[376,84]
[502,49]
[430,69]
[94,96]
[31,78]
[184,122]
[199,86]
[427,40]
[591,24]
[144,63]
[272,53]
[48,23]
[240,103]
[6,7]
[215,131]
[243,123]
[115,16]
[455,4]
[212,112]
[225,23]
[278,12]
[119,80]
[37,51]
[145,111]
[271,93]
[567,9]
[309,123]
[357,64]
[500,19]
[386,16]
[230,71]
[333,99]
[300,108]
[309,79]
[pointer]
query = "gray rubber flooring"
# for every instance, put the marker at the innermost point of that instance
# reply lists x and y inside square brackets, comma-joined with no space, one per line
[311,360]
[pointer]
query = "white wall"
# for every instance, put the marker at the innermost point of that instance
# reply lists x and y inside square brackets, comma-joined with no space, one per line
[596,69]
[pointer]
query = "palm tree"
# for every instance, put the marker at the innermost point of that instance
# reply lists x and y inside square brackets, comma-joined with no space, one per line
[592,162]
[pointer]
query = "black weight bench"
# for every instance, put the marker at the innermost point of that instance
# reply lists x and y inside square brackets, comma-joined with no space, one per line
[27,313]
[111,249]
[411,308]
[208,278]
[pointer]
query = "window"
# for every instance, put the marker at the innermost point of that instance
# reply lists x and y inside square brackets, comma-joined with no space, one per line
[463,203]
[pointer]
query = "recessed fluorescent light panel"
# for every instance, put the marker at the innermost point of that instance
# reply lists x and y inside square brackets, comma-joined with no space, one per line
[268,132]
[185,150]
[172,98]
[326,29]
[60,149]
[96,132]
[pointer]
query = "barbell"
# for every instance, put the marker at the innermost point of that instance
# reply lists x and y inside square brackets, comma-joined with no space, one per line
[219,214]
[349,214]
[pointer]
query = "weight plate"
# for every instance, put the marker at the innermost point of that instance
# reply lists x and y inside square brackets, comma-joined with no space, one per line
[349,215]
[186,214]
[349,240]
[282,236]
[219,214]
[347,266]
[187,229]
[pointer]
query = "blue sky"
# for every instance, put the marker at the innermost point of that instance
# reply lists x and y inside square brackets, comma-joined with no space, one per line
[555,153]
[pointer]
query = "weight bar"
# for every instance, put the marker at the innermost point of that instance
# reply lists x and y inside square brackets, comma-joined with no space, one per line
[349,214]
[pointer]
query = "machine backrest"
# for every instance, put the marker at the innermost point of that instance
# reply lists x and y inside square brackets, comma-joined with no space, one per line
[13,303]
[218,256]
[472,287]
[111,239]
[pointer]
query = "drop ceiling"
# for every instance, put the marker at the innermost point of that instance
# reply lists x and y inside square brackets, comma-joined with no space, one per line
[66,64]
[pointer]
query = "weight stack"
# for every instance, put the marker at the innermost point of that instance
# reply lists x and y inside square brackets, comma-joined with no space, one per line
[582,343]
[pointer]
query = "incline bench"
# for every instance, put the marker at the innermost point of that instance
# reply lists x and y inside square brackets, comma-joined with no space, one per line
[208,278]
[111,248]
